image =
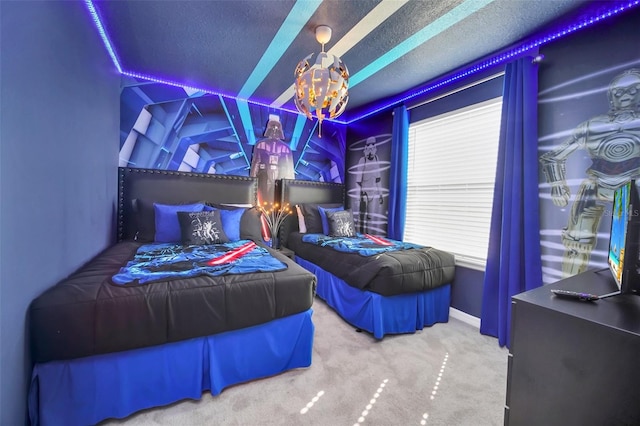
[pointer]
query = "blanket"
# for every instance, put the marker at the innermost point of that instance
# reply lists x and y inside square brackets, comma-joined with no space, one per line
[362,244]
[166,261]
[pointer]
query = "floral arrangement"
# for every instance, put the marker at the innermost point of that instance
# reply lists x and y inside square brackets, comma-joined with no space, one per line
[274,215]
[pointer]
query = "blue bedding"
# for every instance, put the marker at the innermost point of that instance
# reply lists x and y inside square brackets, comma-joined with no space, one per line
[362,244]
[165,261]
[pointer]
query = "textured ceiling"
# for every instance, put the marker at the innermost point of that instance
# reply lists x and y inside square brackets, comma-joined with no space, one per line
[249,49]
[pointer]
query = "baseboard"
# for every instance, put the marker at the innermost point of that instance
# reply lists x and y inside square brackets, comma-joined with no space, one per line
[464,317]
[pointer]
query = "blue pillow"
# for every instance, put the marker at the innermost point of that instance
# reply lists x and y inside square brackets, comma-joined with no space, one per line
[311,215]
[323,217]
[167,224]
[230,221]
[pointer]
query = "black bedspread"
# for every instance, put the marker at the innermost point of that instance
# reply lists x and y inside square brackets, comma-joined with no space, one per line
[86,315]
[388,274]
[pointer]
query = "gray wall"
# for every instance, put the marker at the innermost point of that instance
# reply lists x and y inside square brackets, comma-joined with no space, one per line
[60,112]
[466,291]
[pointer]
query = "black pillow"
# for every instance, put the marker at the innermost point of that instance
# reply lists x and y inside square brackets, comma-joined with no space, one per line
[250,225]
[341,223]
[145,220]
[201,227]
[312,218]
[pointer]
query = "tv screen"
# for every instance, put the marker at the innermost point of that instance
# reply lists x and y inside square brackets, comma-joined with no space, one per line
[623,239]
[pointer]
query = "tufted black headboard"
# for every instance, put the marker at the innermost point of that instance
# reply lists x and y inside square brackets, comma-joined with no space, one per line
[303,192]
[173,187]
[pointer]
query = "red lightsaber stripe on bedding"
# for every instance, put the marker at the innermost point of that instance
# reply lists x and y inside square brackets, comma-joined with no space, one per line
[233,254]
[378,240]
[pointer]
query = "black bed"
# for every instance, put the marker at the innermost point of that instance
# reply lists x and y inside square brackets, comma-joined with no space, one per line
[398,292]
[89,325]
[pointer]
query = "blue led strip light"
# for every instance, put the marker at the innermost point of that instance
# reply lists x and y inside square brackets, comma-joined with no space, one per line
[536,42]
[482,65]
[103,34]
[199,89]
[114,57]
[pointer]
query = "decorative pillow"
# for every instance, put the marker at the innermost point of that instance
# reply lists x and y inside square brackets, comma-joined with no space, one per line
[323,217]
[302,227]
[167,225]
[341,223]
[204,227]
[231,217]
[312,217]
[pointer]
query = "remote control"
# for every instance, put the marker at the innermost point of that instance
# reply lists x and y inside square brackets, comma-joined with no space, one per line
[576,295]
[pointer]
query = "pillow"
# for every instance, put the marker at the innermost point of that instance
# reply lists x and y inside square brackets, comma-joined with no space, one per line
[341,223]
[301,225]
[145,220]
[231,217]
[167,225]
[312,217]
[204,227]
[231,222]
[251,226]
[323,217]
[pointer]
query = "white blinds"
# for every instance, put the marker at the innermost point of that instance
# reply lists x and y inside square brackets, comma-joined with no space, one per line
[451,174]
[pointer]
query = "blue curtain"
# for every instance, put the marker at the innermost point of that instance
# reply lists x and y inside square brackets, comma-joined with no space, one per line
[513,260]
[398,173]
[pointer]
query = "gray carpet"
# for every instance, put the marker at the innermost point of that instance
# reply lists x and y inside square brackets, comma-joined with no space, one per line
[448,374]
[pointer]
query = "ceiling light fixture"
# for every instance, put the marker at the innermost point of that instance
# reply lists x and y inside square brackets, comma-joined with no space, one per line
[323,86]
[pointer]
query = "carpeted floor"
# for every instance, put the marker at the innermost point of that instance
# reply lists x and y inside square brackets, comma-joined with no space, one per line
[448,374]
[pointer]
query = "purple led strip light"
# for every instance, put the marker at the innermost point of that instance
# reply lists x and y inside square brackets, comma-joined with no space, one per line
[503,57]
[457,76]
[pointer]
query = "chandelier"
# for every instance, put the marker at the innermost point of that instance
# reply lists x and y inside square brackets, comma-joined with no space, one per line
[321,87]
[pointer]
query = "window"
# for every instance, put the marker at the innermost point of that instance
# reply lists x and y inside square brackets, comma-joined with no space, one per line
[451,174]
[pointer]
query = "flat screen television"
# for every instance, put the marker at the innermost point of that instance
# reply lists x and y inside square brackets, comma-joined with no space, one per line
[624,238]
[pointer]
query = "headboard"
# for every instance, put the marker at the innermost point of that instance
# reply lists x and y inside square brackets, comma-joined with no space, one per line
[173,187]
[302,192]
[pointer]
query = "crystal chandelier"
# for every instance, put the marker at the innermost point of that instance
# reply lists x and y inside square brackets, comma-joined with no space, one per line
[321,87]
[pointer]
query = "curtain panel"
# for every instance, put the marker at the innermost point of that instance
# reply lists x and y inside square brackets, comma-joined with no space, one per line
[514,259]
[398,173]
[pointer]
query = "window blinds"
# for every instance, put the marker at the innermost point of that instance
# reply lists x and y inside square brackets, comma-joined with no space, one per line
[451,174]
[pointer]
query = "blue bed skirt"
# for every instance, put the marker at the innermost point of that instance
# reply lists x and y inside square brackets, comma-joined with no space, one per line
[88,390]
[377,314]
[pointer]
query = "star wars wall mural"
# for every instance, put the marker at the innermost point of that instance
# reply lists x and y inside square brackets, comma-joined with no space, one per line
[368,162]
[589,142]
[271,160]
[171,128]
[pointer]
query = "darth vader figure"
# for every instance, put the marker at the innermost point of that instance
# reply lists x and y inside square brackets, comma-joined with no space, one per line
[272,160]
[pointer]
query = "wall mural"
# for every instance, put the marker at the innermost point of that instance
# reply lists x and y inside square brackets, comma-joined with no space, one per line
[589,143]
[368,161]
[272,160]
[171,128]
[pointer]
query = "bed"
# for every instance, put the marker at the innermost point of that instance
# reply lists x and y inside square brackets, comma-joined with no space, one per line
[106,342]
[389,292]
